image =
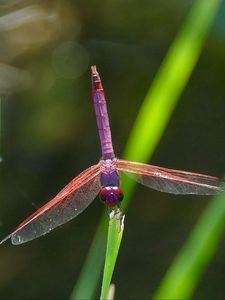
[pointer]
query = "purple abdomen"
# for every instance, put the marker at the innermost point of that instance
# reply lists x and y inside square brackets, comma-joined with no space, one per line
[102,116]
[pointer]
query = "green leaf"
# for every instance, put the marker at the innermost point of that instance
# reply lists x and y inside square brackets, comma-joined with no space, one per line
[115,233]
[169,83]
[184,274]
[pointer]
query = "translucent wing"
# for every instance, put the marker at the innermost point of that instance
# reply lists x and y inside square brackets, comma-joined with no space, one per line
[172,181]
[66,205]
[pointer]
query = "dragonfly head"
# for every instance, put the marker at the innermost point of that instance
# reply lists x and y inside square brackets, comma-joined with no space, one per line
[111,195]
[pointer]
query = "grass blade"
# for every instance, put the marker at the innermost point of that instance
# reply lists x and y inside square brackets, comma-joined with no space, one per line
[115,233]
[184,274]
[170,81]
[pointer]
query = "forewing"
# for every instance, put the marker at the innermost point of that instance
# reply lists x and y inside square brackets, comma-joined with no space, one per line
[66,205]
[172,181]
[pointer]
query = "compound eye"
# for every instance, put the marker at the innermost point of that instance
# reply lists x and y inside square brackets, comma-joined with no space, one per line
[119,194]
[111,195]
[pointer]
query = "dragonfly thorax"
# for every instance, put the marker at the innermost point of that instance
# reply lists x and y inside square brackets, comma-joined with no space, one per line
[111,195]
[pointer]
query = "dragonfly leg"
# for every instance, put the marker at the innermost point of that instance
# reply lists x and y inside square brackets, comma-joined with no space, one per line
[119,207]
[114,212]
[111,212]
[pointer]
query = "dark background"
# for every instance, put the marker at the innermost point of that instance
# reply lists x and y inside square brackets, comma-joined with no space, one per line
[49,135]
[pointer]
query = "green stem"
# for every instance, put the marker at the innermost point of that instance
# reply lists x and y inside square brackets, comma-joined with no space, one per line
[115,233]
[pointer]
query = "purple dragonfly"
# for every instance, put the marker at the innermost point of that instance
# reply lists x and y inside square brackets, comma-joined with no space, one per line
[103,179]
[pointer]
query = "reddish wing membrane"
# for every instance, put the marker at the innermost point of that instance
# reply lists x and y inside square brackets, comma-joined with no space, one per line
[172,181]
[66,205]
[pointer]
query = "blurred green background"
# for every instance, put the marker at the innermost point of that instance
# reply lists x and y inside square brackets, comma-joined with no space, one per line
[49,135]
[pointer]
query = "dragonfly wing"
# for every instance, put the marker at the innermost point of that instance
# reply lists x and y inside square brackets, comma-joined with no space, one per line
[172,181]
[66,205]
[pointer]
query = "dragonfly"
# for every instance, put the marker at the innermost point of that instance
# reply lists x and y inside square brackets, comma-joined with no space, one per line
[103,179]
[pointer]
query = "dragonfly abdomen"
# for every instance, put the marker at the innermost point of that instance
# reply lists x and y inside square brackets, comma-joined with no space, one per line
[102,116]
